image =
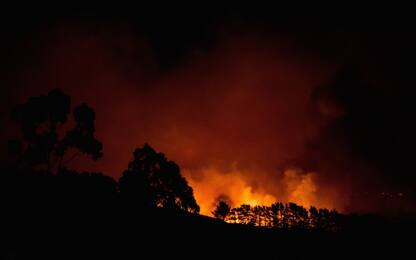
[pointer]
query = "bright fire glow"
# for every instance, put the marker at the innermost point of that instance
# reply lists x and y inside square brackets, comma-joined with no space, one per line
[295,186]
[231,184]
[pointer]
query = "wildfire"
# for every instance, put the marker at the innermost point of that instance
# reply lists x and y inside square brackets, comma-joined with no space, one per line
[295,186]
[231,184]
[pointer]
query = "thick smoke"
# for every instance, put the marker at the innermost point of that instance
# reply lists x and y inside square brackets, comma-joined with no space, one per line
[242,118]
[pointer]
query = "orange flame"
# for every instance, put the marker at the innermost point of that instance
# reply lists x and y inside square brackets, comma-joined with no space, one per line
[231,184]
[296,186]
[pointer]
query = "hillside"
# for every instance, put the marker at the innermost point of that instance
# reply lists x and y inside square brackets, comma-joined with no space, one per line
[125,233]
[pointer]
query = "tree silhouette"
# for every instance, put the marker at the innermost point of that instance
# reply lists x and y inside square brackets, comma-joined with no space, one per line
[154,181]
[222,210]
[286,216]
[41,120]
[262,216]
[301,219]
[314,217]
[242,215]
[277,210]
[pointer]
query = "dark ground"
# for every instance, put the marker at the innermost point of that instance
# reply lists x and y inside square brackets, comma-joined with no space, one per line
[120,232]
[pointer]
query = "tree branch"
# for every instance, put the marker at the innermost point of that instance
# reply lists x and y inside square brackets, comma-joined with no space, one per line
[70,159]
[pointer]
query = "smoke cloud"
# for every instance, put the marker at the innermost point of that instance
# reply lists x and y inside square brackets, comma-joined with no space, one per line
[242,118]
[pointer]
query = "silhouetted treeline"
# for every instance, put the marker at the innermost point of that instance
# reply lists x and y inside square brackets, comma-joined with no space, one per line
[279,215]
[48,143]
[156,183]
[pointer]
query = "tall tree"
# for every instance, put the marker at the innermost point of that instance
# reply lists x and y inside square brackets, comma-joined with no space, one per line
[41,120]
[152,180]
[222,210]
[278,210]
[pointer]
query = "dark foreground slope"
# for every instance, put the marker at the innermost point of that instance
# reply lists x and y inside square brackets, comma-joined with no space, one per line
[43,219]
[123,233]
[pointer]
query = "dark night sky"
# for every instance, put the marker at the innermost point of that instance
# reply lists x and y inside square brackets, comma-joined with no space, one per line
[313,108]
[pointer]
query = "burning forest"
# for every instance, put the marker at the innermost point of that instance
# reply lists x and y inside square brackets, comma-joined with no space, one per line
[239,122]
